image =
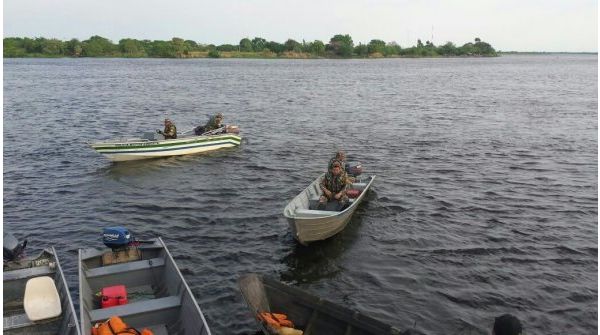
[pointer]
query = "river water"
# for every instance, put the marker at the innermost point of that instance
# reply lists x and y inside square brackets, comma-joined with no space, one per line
[485,202]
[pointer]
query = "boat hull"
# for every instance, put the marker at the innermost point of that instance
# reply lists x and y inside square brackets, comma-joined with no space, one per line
[15,280]
[315,225]
[308,313]
[159,297]
[146,149]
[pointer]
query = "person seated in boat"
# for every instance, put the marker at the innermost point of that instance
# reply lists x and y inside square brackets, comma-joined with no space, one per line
[334,186]
[339,156]
[170,131]
[215,122]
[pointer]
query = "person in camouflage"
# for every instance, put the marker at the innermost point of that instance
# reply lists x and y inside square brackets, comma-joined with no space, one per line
[334,185]
[214,122]
[170,131]
[340,156]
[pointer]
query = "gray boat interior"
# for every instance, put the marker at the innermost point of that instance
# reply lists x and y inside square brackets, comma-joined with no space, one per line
[158,297]
[16,274]
[306,203]
[309,313]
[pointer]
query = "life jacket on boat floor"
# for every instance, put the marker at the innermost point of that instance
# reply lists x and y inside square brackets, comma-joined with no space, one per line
[115,325]
[275,320]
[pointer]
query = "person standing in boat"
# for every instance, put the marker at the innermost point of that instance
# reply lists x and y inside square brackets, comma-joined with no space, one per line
[170,131]
[334,186]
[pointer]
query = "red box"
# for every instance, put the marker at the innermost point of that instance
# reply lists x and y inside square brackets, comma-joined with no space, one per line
[113,296]
[353,193]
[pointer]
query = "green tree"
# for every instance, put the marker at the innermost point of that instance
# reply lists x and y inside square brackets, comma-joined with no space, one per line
[162,49]
[361,50]
[259,44]
[227,47]
[341,45]
[392,48]
[483,48]
[97,46]
[317,48]
[73,48]
[276,47]
[292,45]
[179,47]
[132,48]
[214,54]
[13,47]
[448,49]
[376,46]
[245,44]
[191,45]
[52,47]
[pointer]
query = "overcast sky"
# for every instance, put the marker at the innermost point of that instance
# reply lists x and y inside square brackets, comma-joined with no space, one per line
[520,25]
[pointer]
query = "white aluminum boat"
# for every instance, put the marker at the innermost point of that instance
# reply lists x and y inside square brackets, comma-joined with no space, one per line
[309,224]
[154,146]
[36,298]
[158,296]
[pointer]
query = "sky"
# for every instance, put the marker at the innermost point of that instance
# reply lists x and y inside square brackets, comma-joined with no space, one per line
[508,25]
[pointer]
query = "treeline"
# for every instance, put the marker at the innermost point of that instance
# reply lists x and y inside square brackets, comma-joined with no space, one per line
[339,46]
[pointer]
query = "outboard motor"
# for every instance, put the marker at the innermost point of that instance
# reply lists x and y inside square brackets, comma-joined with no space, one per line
[12,249]
[354,169]
[117,238]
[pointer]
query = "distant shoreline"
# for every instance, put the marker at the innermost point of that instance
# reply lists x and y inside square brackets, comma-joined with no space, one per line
[546,53]
[257,55]
[339,47]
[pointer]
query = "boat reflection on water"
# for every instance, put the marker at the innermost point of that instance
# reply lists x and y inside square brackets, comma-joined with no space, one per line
[321,259]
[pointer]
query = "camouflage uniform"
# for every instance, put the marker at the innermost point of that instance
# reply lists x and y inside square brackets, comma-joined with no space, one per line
[337,157]
[170,131]
[335,184]
[213,123]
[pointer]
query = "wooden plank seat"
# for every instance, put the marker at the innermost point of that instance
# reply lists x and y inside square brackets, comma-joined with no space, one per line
[125,267]
[139,307]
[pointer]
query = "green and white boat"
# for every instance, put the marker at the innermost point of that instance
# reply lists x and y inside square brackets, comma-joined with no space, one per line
[152,145]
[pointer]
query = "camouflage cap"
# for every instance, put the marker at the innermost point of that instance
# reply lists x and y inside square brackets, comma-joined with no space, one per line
[219,115]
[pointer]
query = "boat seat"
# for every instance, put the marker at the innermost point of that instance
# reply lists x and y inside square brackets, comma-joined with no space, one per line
[359,186]
[41,299]
[134,308]
[312,212]
[125,267]
[16,321]
[28,273]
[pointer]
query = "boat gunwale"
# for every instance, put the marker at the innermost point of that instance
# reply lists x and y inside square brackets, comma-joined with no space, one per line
[144,144]
[312,301]
[158,244]
[64,293]
[355,203]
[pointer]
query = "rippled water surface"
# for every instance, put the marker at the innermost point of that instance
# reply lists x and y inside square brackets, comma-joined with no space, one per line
[485,203]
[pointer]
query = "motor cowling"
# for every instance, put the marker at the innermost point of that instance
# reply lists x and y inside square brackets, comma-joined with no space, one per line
[354,169]
[11,248]
[116,237]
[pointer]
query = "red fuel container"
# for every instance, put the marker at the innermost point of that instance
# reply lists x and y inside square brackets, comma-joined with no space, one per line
[113,296]
[353,193]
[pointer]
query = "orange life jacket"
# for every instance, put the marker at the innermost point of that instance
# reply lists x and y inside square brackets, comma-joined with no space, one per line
[114,326]
[275,320]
